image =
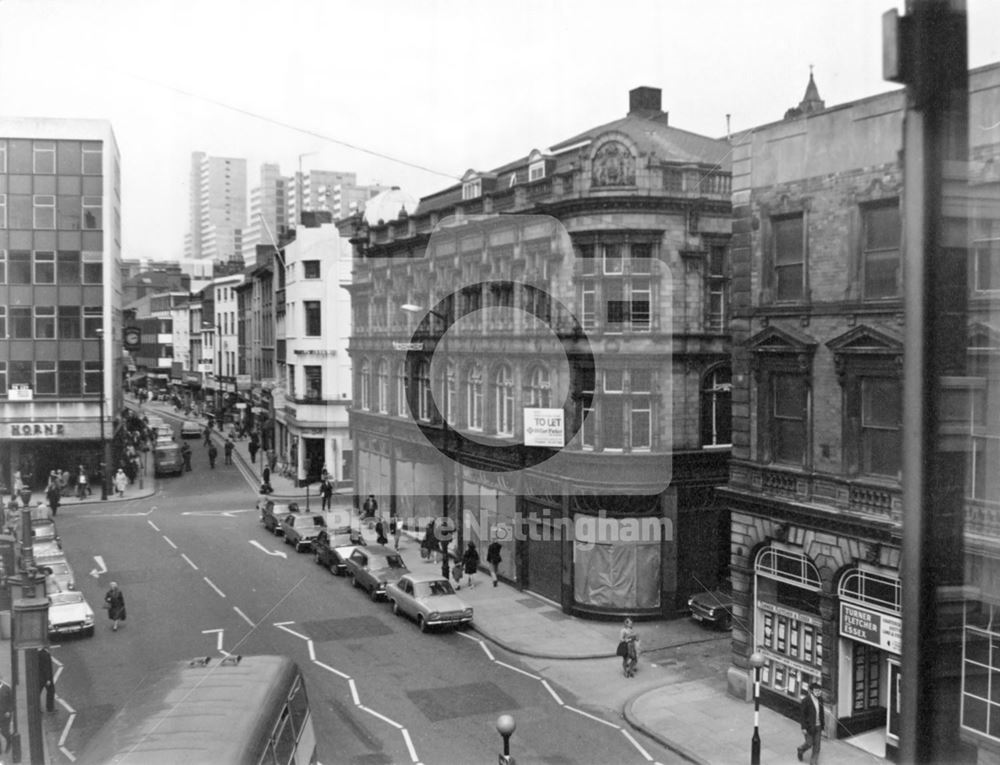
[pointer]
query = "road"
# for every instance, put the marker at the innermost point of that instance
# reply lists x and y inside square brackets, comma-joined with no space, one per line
[201,577]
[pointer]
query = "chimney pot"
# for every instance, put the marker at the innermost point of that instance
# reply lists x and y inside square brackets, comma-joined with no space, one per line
[645,101]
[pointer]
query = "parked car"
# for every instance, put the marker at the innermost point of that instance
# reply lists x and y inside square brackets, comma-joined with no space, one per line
[273,513]
[429,599]
[191,429]
[332,547]
[301,529]
[164,432]
[69,613]
[46,551]
[58,575]
[714,608]
[372,568]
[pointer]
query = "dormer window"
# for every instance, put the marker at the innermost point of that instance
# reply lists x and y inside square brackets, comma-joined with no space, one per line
[472,189]
[536,171]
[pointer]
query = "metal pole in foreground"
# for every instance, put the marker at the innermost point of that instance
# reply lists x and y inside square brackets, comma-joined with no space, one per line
[756,661]
[105,466]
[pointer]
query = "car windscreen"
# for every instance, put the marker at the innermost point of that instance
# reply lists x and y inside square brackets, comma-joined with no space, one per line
[431,589]
[387,561]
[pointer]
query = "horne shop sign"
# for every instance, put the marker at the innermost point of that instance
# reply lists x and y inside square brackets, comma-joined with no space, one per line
[36,429]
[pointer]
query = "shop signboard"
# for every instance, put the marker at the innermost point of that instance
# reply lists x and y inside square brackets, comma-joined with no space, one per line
[871,627]
[19,392]
[544,427]
[243,382]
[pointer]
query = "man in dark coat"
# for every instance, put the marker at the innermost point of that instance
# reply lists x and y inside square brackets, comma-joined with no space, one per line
[47,679]
[493,558]
[253,447]
[186,456]
[811,713]
[212,454]
[228,449]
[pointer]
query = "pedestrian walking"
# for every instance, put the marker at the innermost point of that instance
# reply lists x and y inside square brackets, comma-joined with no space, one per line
[380,536]
[493,558]
[82,483]
[394,530]
[470,561]
[811,713]
[6,712]
[208,435]
[326,493]
[47,679]
[430,544]
[370,506]
[228,450]
[212,454]
[254,447]
[446,565]
[114,601]
[186,456]
[120,482]
[53,494]
[628,648]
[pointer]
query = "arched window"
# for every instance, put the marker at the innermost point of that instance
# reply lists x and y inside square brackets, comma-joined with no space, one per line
[450,393]
[717,407]
[382,387]
[402,390]
[538,392]
[365,384]
[474,397]
[425,404]
[503,400]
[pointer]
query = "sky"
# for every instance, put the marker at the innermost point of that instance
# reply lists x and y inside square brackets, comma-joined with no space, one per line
[414,93]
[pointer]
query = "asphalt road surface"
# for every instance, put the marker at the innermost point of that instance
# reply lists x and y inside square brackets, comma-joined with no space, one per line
[201,577]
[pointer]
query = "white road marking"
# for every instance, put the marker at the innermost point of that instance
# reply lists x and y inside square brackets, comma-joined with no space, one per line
[482,644]
[554,695]
[212,585]
[100,569]
[170,541]
[382,717]
[354,691]
[261,547]
[218,638]
[328,668]
[281,626]
[595,718]
[190,562]
[637,745]
[65,730]
[516,669]
[245,617]
[155,527]
[64,705]
[224,513]
[409,745]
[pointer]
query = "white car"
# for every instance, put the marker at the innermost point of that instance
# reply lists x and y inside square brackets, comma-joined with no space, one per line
[430,599]
[59,574]
[70,614]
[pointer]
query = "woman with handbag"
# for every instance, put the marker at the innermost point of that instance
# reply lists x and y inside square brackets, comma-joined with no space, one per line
[628,648]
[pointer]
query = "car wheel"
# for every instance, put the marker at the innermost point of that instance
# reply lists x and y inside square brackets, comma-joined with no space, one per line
[89,632]
[374,595]
[395,608]
[422,623]
[354,581]
[726,622]
[316,558]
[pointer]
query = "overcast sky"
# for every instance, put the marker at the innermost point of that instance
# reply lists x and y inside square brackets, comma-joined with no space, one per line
[441,85]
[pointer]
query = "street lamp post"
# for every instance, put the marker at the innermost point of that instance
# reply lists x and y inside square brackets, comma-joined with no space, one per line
[756,661]
[505,727]
[105,456]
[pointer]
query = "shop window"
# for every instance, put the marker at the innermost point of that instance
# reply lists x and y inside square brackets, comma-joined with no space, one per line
[788,252]
[716,408]
[45,322]
[314,382]
[45,267]
[620,573]
[880,261]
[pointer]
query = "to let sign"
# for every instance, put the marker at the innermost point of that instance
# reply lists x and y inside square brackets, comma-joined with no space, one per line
[871,627]
[544,427]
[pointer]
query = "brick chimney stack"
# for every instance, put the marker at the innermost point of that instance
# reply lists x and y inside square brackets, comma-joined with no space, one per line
[646,102]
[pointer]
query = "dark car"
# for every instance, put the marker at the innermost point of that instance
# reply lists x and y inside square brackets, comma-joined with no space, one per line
[273,513]
[332,547]
[713,607]
[372,568]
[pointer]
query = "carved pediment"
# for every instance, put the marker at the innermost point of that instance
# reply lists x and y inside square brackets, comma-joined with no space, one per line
[865,339]
[774,339]
[984,337]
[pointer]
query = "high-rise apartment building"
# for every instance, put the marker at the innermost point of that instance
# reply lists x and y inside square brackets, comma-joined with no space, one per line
[313,190]
[218,208]
[60,295]
[268,211]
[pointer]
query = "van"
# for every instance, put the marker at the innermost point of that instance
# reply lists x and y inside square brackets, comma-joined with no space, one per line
[167,458]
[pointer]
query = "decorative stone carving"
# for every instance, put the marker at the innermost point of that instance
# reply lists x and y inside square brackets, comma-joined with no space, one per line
[613,165]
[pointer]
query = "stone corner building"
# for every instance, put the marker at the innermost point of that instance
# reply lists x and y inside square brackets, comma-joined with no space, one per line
[591,278]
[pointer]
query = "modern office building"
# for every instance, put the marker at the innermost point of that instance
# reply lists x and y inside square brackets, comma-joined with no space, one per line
[217,208]
[269,211]
[585,285]
[60,294]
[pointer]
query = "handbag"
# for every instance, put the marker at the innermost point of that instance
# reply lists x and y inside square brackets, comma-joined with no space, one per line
[622,649]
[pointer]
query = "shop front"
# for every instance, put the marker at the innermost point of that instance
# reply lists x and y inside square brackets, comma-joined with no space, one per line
[36,448]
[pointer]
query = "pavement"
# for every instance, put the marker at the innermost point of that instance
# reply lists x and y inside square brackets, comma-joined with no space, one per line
[689,713]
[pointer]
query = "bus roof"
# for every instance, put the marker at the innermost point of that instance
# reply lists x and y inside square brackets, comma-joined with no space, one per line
[196,712]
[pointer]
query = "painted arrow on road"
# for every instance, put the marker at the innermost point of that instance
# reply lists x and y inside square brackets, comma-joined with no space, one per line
[101,568]
[257,544]
[226,513]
